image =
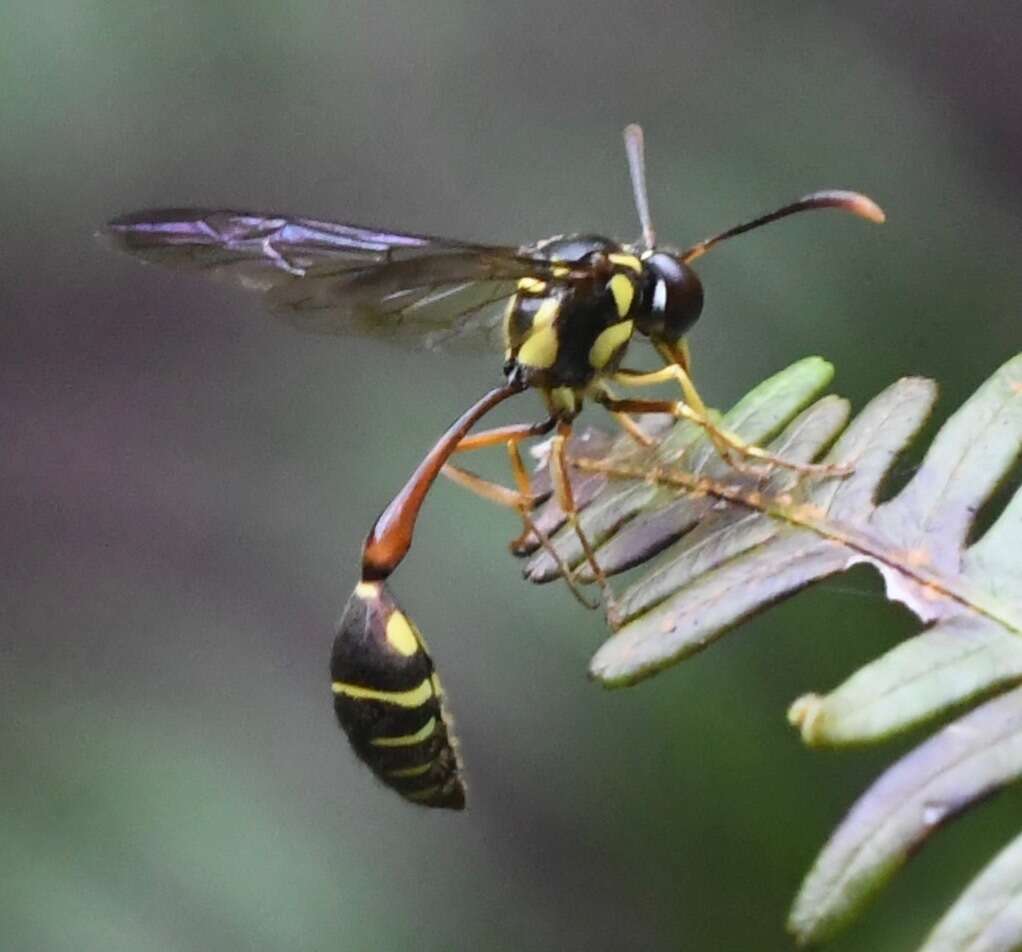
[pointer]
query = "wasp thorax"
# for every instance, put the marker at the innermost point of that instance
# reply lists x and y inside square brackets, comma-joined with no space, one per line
[672,298]
[563,331]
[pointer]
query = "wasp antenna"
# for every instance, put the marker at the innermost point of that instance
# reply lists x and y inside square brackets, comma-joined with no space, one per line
[635,150]
[853,202]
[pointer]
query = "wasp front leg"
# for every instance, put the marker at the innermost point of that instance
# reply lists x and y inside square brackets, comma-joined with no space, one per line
[523,502]
[732,448]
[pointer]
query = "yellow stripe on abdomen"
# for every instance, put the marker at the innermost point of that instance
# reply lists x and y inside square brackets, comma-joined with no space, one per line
[425,794]
[407,740]
[404,773]
[416,697]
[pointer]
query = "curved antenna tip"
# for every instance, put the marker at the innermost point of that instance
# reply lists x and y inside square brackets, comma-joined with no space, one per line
[872,211]
[854,202]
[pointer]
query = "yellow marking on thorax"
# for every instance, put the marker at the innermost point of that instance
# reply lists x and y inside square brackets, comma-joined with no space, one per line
[407,740]
[623,290]
[625,261]
[608,343]
[413,698]
[531,285]
[401,636]
[563,398]
[540,347]
[546,314]
[509,312]
[540,350]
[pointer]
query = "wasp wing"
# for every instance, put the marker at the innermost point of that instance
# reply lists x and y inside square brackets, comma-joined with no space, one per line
[329,278]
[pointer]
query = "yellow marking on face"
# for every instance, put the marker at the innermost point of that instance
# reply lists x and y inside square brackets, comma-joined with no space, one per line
[561,271]
[626,261]
[413,698]
[608,343]
[531,285]
[407,740]
[423,794]
[623,290]
[540,350]
[411,771]
[401,636]
[368,590]
[563,398]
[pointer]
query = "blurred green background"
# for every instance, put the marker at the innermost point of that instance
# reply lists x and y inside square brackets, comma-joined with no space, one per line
[185,483]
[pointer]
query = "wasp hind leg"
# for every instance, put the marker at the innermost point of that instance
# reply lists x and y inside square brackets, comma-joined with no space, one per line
[523,503]
[522,500]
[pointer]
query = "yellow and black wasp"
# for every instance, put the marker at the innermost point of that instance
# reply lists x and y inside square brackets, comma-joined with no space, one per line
[572,306]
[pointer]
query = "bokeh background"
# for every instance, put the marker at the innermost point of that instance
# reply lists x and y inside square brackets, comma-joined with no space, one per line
[184,483]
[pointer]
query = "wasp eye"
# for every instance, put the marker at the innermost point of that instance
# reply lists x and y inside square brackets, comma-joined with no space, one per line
[673,298]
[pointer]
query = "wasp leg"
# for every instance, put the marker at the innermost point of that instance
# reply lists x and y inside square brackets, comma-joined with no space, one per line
[566,500]
[522,503]
[514,433]
[731,447]
[626,422]
[524,483]
[511,436]
[676,354]
[488,490]
[523,500]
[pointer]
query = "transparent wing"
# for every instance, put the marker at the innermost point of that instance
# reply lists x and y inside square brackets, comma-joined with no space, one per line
[328,278]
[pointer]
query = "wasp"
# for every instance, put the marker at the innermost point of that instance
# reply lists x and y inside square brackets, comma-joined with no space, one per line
[572,305]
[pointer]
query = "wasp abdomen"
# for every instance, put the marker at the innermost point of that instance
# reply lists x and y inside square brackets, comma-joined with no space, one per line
[388,699]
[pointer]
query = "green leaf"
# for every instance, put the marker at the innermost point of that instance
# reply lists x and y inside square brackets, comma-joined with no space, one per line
[987,917]
[964,762]
[956,661]
[713,545]
[757,417]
